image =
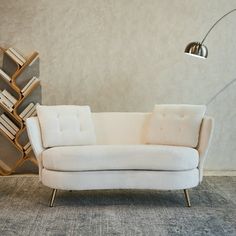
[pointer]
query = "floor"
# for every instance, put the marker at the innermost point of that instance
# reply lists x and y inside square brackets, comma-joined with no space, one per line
[24,210]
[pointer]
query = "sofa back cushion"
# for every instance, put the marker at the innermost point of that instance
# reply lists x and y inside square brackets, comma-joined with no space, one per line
[66,125]
[177,125]
[120,127]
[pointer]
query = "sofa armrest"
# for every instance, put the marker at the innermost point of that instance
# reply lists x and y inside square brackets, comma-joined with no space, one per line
[204,141]
[34,134]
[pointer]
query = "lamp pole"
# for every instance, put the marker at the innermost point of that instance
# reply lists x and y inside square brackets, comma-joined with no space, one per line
[220,91]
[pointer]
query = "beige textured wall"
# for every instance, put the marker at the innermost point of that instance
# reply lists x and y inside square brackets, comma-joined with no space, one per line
[127,55]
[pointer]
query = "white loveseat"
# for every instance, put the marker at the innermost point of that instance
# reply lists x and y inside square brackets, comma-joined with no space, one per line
[119,157]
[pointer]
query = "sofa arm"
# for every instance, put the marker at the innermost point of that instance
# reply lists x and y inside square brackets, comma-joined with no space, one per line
[34,134]
[204,142]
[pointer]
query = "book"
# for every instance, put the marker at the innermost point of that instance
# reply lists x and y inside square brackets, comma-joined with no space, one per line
[6,125]
[28,150]
[26,110]
[5,75]
[32,112]
[9,96]
[17,54]
[7,101]
[5,130]
[9,122]
[9,108]
[14,57]
[28,84]
[27,146]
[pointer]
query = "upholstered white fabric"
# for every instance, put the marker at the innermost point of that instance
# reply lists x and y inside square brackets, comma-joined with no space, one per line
[66,125]
[120,127]
[162,180]
[130,129]
[204,142]
[175,125]
[34,134]
[118,157]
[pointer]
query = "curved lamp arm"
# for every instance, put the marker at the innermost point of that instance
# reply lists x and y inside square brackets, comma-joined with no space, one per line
[216,24]
[197,49]
[220,91]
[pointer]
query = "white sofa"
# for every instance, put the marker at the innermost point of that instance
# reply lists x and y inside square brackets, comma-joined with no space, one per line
[120,158]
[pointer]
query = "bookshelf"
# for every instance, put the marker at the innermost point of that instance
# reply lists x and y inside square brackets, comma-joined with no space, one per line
[20,92]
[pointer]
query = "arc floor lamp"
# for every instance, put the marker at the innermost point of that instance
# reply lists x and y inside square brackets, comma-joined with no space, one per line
[198,49]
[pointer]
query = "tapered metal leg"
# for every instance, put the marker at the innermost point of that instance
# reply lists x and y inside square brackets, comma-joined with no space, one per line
[54,192]
[186,194]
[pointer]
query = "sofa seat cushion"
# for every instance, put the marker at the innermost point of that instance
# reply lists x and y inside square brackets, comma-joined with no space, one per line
[117,157]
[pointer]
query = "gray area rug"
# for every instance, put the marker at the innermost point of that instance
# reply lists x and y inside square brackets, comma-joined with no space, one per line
[24,210]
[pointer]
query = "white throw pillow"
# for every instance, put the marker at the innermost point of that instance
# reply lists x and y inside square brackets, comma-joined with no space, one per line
[66,125]
[177,125]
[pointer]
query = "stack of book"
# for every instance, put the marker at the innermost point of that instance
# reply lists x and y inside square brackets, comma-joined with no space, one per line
[27,148]
[17,57]
[29,111]
[29,85]
[8,127]
[4,75]
[7,100]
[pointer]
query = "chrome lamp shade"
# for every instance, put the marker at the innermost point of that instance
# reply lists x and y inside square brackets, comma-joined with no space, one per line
[196,49]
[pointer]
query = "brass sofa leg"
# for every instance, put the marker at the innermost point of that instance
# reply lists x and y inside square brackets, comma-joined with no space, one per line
[186,194]
[53,196]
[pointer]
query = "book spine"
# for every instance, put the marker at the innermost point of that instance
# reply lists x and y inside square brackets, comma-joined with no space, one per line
[27,146]
[5,76]
[10,109]
[17,54]
[9,96]
[28,84]
[7,126]
[14,57]
[10,122]
[5,99]
[31,86]
[26,110]
[28,150]
[5,130]
[32,112]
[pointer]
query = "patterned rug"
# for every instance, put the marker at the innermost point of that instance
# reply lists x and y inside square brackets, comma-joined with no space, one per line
[24,210]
